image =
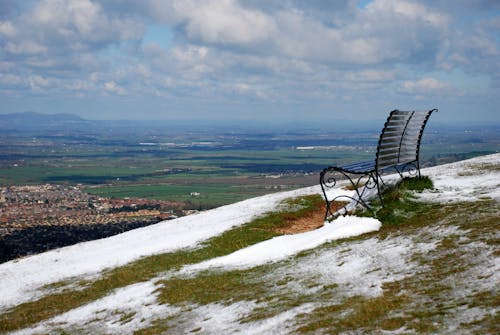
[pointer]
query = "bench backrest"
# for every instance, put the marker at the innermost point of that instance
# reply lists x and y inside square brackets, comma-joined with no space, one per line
[399,142]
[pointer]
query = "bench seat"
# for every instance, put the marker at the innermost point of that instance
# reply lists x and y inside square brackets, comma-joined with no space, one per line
[359,167]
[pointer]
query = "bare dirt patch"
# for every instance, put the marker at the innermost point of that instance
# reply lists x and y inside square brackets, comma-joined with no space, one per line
[311,221]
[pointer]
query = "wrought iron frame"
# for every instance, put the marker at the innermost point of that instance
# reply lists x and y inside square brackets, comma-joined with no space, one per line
[369,176]
[360,183]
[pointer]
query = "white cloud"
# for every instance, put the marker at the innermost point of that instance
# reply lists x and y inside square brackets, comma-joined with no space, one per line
[25,48]
[7,29]
[79,22]
[224,21]
[424,85]
[370,75]
[385,31]
[38,82]
[408,10]
[113,87]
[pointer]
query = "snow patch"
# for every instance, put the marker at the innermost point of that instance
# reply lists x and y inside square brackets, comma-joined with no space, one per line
[226,319]
[468,181]
[128,308]
[281,247]
[361,267]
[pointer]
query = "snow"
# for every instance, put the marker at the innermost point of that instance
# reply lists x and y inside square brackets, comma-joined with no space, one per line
[281,247]
[134,307]
[470,180]
[226,319]
[218,319]
[364,267]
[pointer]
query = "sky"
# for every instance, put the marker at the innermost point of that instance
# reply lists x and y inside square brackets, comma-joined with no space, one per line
[250,60]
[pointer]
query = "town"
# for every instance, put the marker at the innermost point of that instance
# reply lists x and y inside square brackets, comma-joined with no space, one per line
[36,218]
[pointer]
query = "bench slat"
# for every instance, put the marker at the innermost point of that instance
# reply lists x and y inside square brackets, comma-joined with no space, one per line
[392,133]
[391,139]
[359,164]
[397,120]
[414,127]
[396,125]
[398,112]
[389,150]
[366,166]
[419,116]
[401,151]
[389,146]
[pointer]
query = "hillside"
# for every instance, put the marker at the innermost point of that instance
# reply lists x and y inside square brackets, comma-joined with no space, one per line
[436,270]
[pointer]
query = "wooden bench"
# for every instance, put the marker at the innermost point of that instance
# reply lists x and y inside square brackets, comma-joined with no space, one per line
[397,150]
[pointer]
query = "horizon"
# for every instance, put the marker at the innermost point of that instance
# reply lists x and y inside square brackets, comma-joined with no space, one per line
[251,61]
[367,124]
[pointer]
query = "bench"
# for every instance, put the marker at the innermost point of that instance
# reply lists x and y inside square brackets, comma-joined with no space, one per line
[397,150]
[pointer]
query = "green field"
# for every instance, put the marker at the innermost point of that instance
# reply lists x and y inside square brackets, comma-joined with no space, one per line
[222,165]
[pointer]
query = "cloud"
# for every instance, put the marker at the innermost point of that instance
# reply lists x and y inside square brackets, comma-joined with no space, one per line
[55,28]
[384,31]
[224,22]
[113,87]
[291,52]
[81,24]
[26,48]
[424,85]
[7,29]
[370,75]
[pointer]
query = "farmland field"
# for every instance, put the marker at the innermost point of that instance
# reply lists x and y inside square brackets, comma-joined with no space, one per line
[203,165]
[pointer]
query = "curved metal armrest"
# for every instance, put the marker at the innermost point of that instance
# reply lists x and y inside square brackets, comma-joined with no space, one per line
[359,182]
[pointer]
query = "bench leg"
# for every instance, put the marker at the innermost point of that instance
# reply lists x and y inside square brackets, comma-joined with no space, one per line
[360,184]
[379,192]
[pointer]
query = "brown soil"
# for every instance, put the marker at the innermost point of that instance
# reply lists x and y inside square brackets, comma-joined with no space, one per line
[313,220]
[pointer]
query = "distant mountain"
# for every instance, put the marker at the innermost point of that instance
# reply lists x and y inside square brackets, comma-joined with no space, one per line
[31,117]
[32,121]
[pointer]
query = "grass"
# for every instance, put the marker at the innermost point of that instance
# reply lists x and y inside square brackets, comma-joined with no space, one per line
[208,287]
[211,195]
[399,205]
[371,313]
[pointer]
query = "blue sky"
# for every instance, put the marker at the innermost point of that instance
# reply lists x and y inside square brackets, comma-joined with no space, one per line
[250,60]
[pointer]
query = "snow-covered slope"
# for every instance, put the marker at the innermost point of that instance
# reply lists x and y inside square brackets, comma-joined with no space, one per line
[383,261]
[19,279]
